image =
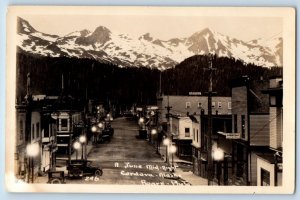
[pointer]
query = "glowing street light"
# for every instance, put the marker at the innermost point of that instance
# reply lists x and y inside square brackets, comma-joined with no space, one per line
[167,142]
[77,146]
[141,120]
[32,151]
[100,125]
[154,131]
[218,155]
[173,150]
[94,129]
[82,140]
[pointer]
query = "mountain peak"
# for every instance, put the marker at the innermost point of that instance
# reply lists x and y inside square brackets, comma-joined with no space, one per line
[146,36]
[23,26]
[101,30]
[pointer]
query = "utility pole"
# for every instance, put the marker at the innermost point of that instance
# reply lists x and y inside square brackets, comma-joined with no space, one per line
[209,133]
[168,110]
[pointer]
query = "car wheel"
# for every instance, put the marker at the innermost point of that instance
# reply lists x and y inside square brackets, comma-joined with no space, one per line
[98,172]
[76,173]
[55,181]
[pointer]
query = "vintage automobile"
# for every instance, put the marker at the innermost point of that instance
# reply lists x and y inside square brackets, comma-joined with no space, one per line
[80,168]
[107,133]
[56,177]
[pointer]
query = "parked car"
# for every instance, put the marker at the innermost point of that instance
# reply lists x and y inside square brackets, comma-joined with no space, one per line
[80,168]
[56,177]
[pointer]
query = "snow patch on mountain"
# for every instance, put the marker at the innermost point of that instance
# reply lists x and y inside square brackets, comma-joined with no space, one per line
[145,50]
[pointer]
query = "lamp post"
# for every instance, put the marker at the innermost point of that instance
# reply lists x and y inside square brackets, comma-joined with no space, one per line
[82,140]
[94,130]
[172,150]
[166,142]
[77,146]
[154,132]
[32,151]
[218,155]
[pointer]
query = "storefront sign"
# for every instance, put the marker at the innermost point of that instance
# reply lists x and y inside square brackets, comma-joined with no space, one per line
[230,136]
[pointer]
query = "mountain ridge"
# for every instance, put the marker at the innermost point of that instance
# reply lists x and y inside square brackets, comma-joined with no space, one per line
[126,51]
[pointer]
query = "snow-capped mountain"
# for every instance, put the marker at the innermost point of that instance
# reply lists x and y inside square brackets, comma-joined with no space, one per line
[124,50]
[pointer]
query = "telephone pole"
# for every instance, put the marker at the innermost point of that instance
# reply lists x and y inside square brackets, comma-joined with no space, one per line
[209,112]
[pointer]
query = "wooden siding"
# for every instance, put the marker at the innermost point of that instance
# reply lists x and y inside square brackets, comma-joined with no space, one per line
[259,130]
[275,127]
[239,107]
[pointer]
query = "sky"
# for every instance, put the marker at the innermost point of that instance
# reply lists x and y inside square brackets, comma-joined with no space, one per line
[162,27]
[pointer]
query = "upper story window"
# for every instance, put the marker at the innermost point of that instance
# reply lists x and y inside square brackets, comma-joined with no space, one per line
[197,135]
[187,132]
[243,123]
[32,131]
[21,130]
[187,104]
[63,124]
[199,105]
[37,129]
[219,104]
[229,105]
[235,130]
[213,104]
[194,134]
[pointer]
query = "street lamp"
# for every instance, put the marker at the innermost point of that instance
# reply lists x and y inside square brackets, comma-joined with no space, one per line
[76,146]
[100,125]
[166,142]
[173,150]
[141,120]
[218,155]
[94,130]
[32,151]
[154,132]
[82,140]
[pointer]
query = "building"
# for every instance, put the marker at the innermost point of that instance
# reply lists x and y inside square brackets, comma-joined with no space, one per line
[269,163]
[192,105]
[183,130]
[220,123]
[250,130]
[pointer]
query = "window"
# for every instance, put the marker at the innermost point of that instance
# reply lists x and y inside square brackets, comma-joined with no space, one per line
[63,124]
[187,104]
[194,134]
[265,177]
[235,123]
[21,130]
[213,104]
[219,104]
[187,132]
[37,129]
[229,105]
[197,135]
[199,104]
[272,101]
[243,126]
[32,132]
